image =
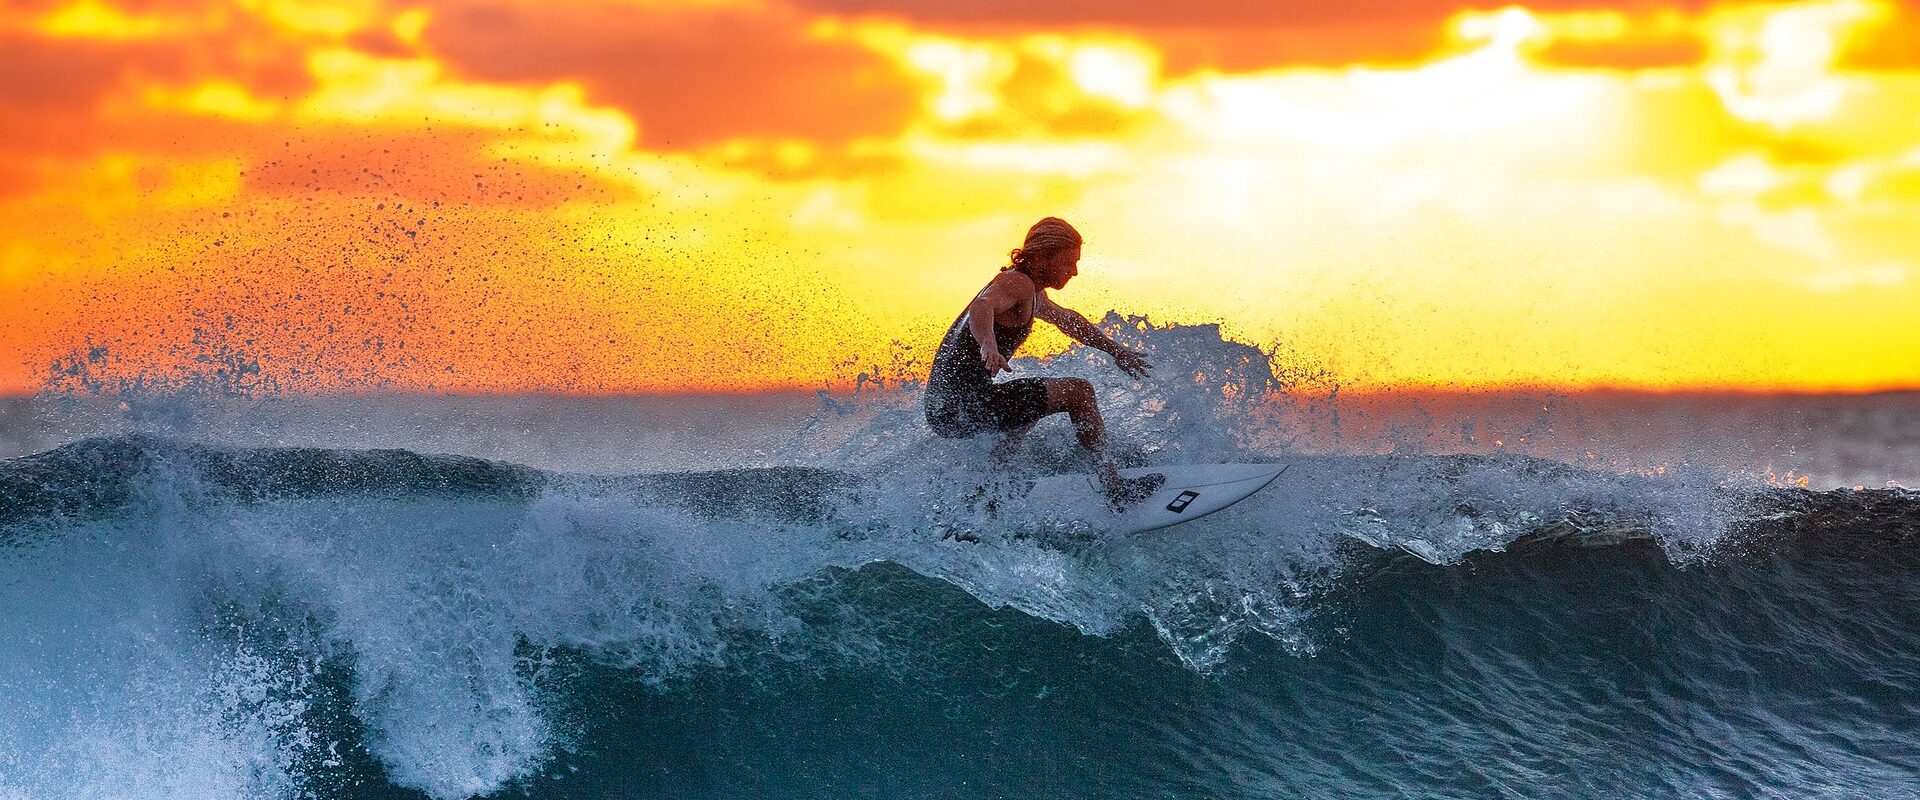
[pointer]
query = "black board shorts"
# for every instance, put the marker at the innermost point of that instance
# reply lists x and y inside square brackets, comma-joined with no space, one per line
[1004,406]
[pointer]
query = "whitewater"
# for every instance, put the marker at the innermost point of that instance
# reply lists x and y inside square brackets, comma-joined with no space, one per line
[213,593]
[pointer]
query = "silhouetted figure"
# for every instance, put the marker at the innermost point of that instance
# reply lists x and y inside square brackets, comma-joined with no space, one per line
[962,398]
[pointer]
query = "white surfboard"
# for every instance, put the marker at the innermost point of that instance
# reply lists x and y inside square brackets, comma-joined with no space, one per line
[1192,491]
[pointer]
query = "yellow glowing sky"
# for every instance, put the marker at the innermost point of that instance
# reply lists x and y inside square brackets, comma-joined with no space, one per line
[512,195]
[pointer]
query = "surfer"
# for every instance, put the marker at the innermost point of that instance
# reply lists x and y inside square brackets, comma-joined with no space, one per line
[962,398]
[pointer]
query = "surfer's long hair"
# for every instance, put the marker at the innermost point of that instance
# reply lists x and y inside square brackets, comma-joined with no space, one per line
[1045,238]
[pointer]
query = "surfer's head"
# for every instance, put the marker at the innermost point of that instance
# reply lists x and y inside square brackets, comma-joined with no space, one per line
[1050,255]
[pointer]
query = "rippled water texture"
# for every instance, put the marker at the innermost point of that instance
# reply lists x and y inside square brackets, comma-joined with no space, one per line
[767,597]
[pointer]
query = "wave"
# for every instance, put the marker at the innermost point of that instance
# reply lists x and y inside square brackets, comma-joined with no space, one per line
[188,615]
[273,621]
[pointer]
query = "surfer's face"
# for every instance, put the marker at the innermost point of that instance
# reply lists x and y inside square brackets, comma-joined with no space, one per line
[1059,267]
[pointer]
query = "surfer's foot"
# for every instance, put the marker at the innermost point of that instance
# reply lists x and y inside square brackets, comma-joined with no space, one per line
[1124,492]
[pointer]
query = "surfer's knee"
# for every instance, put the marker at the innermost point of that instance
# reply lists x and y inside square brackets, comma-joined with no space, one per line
[1070,394]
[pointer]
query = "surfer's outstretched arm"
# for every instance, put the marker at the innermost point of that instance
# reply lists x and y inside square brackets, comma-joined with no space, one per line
[1076,327]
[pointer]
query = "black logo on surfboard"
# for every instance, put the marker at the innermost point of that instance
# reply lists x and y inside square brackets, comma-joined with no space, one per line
[1185,499]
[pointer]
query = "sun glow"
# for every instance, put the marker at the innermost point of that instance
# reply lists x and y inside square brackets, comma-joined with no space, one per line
[667,196]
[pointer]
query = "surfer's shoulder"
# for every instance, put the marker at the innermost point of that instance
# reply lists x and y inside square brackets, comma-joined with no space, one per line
[1014,281]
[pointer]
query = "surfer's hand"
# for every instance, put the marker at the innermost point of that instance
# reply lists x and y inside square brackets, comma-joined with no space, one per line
[995,361]
[1131,362]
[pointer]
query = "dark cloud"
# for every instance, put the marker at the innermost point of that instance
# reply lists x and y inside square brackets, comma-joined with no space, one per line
[690,77]
[53,86]
[1234,36]
[1132,13]
[45,75]
[48,102]
[58,96]
[1224,15]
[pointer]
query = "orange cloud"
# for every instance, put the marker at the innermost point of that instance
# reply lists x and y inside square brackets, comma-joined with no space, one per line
[689,76]
[1238,37]
[1215,14]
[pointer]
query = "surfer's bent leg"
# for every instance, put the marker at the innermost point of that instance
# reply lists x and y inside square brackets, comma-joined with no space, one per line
[1075,396]
[1008,407]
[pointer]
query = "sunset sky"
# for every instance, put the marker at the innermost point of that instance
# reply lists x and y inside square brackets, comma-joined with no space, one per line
[548,195]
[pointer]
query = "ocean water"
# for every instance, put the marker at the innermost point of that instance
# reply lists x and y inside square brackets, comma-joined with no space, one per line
[221,595]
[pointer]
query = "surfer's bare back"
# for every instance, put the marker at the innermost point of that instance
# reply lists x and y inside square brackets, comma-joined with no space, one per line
[962,398]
